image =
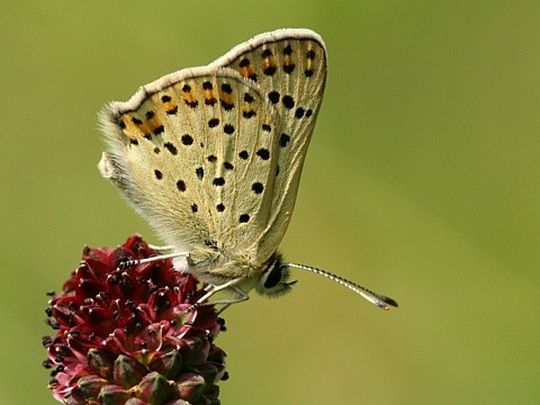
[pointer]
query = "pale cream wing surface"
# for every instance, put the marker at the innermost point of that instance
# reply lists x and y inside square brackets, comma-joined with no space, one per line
[289,66]
[191,153]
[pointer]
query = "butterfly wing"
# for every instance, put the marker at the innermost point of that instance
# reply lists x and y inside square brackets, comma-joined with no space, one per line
[212,156]
[180,148]
[289,67]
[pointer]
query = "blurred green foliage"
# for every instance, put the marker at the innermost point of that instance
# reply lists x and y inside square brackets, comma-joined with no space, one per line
[422,182]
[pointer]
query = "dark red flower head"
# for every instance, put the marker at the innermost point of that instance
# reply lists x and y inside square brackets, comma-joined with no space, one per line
[125,336]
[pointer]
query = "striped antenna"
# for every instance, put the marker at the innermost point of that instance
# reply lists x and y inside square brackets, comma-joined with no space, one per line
[379,300]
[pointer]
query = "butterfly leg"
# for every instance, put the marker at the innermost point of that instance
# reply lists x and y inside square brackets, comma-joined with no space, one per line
[213,289]
[161,248]
[227,303]
[134,262]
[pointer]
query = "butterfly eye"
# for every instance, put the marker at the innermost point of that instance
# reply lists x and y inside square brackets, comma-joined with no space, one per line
[274,281]
[273,277]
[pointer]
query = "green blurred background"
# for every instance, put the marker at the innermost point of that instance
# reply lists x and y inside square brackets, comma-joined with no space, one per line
[422,182]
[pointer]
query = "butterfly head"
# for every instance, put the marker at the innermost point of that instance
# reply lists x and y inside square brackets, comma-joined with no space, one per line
[274,280]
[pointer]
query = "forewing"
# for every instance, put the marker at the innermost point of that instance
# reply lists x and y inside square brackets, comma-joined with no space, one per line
[182,151]
[289,66]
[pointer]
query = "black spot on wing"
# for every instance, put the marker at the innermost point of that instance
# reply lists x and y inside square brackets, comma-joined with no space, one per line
[171,148]
[243,218]
[263,153]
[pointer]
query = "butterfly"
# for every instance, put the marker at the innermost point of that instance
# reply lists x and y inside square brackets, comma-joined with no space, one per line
[211,157]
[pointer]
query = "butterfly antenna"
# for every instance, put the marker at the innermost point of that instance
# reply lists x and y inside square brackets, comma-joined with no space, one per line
[379,300]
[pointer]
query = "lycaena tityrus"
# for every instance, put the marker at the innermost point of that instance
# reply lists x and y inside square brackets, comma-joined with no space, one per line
[212,156]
